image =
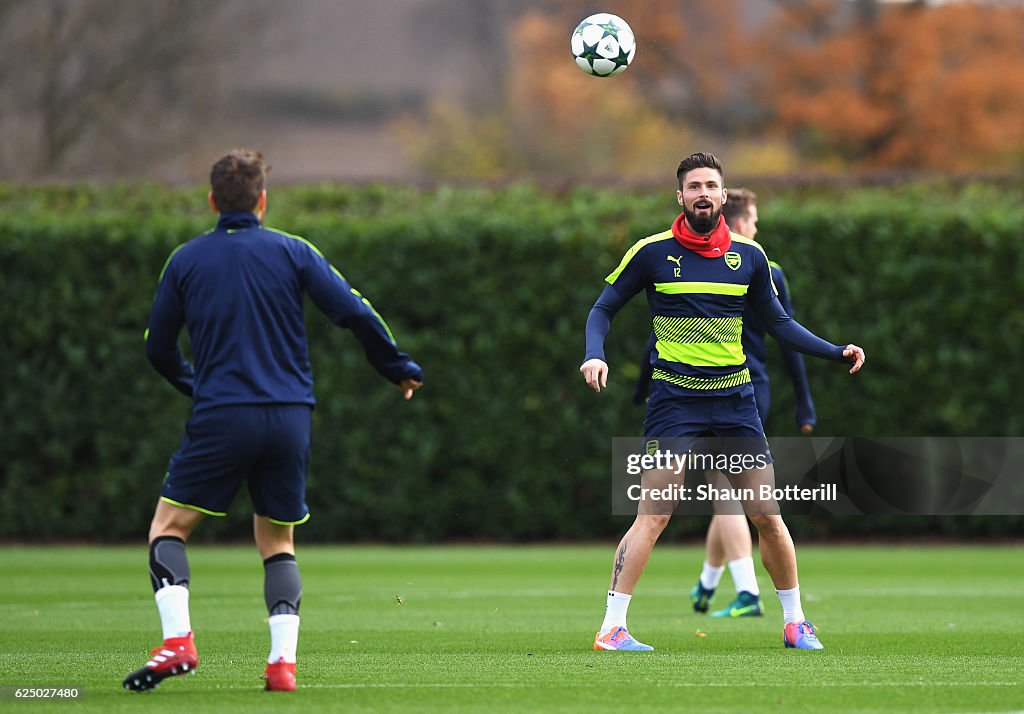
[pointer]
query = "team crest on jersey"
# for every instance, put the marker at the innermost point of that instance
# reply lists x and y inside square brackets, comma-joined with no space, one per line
[733,260]
[652,447]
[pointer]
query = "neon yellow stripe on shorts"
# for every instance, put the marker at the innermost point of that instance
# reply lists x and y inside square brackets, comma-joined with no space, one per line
[191,507]
[723,382]
[289,523]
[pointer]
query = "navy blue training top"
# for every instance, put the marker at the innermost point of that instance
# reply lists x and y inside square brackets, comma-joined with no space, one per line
[697,306]
[239,291]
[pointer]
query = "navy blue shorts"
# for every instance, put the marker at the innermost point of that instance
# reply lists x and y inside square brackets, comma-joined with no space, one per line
[264,446]
[679,420]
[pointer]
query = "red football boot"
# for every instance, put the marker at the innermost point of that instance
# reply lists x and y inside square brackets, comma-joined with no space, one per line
[280,676]
[177,655]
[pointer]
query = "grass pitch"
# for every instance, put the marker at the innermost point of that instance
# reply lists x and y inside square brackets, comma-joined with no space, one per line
[908,629]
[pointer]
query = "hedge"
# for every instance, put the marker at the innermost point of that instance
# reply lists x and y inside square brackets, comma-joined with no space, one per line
[489,289]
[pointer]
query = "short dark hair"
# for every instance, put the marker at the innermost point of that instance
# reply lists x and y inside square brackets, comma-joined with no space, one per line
[238,179]
[738,204]
[700,160]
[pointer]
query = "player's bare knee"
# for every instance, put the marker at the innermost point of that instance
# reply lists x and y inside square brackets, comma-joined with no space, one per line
[268,549]
[653,524]
[273,538]
[768,525]
[170,519]
[160,529]
[177,522]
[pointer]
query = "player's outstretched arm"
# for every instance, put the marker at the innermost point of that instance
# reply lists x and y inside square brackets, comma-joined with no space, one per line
[595,372]
[346,307]
[792,334]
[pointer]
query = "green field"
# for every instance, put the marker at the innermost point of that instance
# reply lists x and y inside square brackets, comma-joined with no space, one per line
[907,628]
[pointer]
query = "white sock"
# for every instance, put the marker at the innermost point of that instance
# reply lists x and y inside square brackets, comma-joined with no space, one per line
[284,638]
[710,575]
[615,612]
[742,571]
[791,608]
[172,602]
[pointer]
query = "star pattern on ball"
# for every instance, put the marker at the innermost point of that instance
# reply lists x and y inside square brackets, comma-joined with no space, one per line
[590,53]
[622,60]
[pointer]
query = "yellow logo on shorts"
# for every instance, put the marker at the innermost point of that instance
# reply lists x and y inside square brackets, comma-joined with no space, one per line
[652,447]
[733,260]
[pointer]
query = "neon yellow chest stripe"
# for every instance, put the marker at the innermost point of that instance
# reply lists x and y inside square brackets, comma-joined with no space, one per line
[684,287]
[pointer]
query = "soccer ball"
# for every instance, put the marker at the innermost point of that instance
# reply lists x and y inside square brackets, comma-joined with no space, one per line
[603,45]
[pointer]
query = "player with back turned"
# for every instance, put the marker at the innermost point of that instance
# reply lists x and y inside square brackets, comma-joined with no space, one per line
[239,290]
[698,277]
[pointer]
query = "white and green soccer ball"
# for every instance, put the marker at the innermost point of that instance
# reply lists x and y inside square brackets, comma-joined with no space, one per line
[603,45]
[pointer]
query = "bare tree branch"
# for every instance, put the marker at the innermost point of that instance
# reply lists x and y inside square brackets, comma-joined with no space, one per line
[111,78]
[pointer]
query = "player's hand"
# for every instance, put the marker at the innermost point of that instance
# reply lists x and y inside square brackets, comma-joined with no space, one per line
[595,371]
[806,428]
[407,387]
[856,355]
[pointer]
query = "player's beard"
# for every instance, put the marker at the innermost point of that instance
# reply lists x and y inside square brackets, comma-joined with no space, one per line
[703,224]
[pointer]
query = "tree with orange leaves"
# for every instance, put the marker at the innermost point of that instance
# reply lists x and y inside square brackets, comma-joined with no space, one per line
[827,84]
[909,87]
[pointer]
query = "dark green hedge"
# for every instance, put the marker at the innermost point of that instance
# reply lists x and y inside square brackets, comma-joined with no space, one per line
[489,289]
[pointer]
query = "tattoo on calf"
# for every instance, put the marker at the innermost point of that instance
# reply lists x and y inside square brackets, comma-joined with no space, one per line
[620,562]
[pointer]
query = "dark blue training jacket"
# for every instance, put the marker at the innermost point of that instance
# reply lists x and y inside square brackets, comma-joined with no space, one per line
[239,291]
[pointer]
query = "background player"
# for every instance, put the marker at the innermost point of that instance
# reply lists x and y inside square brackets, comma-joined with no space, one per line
[698,277]
[728,538]
[239,290]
